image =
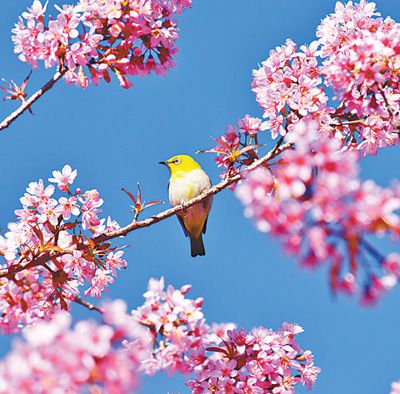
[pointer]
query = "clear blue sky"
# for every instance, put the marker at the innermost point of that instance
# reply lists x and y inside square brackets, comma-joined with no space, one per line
[116,137]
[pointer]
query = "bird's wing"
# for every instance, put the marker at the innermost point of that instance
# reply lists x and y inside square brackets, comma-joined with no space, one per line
[205,227]
[206,204]
[182,224]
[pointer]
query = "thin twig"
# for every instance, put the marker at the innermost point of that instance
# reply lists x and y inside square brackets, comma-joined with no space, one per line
[135,225]
[349,123]
[393,115]
[386,103]
[88,305]
[27,103]
[277,146]
[372,251]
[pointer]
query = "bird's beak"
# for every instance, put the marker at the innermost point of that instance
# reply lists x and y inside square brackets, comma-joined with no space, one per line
[163,162]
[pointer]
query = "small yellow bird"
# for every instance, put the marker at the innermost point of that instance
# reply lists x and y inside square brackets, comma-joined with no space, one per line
[187,181]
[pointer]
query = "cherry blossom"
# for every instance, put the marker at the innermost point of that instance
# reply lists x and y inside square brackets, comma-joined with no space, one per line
[54,357]
[93,39]
[307,192]
[220,357]
[64,178]
[356,54]
[168,332]
[176,324]
[306,188]
[237,147]
[316,205]
[32,289]
[288,86]
[259,361]
[361,59]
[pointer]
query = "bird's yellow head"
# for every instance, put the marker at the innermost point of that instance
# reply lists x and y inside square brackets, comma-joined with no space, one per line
[181,163]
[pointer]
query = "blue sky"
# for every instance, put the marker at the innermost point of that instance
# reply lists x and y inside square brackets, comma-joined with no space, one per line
[116,137]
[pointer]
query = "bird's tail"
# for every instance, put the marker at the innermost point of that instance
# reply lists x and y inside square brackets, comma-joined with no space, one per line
[197,246]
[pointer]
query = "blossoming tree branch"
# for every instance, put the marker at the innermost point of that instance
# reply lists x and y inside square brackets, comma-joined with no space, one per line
[93,41]
[296,170]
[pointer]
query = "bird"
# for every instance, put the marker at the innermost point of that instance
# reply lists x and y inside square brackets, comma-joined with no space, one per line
[188,180]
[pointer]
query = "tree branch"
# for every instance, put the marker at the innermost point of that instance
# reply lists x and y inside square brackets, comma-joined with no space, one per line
[135,225]
[179,208]
[88,305]
[27,103]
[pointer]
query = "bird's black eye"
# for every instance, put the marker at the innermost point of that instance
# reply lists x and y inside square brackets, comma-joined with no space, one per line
[177,161]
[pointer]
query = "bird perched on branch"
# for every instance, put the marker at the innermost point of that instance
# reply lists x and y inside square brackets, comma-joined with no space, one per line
[188,180]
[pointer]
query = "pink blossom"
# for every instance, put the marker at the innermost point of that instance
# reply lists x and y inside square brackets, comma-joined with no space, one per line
[314,202]
[39,192]
[250,125]
[47,212]
[64,178]
[174,320]
[237,147]
[168,332]
[310,195]
[36,11]
[99,282]
[140,38]
[54,357]
[67,207]
[360,54]
[115,261]
[90,208]
[259,361]
[46,225]
[219,358]
[288,86]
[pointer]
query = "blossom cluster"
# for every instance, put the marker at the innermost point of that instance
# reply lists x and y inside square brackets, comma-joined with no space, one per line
[49,252]
[292,84]
[94,39]
[358,55]
[306,189]
[288,86]
[260,361]
[361,53]
[220,357]
[315,203]
[167,333]
[176,324]
[56,358]
[237,148]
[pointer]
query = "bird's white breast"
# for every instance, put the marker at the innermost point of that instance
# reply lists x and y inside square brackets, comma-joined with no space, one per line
[185,186]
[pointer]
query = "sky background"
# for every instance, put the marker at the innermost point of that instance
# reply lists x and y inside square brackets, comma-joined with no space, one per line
[116,137]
